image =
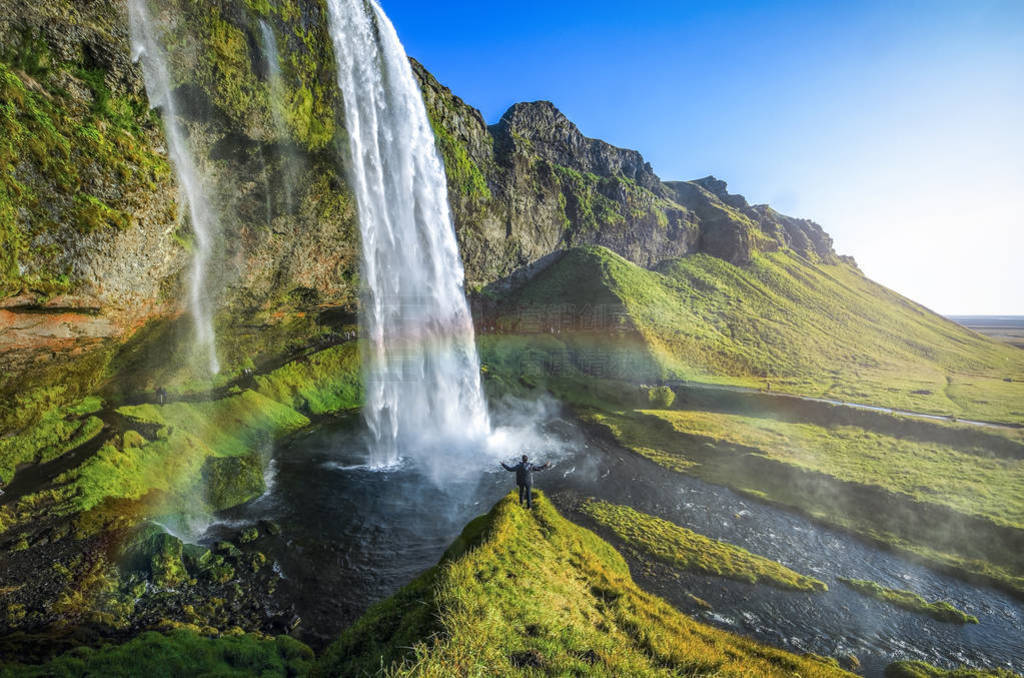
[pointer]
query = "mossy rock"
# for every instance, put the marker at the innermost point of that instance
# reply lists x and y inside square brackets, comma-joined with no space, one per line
[227,550]
[231,481]
[197,558]
[156,554]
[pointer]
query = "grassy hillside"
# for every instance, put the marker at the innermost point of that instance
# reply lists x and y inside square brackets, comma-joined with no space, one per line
[810,329]
[529,593]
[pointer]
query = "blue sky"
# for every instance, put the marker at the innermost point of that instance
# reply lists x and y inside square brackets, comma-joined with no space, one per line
[899,126]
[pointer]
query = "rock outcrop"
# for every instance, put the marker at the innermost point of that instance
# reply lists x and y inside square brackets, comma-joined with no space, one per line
[95,245]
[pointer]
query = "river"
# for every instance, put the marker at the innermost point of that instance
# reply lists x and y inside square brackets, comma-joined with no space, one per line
[352,536]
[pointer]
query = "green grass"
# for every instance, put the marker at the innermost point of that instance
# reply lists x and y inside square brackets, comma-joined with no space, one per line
[172,468]
[909,600]
[56,433]
[971,481]
[691,551]
[327,382]
[529,593]
[179,653]
[914,669]
[919,521]
[811,329]
[186,435]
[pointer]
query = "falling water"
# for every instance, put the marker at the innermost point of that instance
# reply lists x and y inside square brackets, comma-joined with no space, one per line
[147,50]
[423,391]
[277,106]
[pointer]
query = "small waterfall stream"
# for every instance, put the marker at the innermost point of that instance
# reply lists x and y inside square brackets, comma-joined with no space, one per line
[277,110]
[423,389]
[147,50]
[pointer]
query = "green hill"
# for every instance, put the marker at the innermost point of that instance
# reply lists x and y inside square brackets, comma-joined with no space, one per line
[781,321]
[530,593]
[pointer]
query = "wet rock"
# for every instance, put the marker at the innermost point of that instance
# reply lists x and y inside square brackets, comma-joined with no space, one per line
[227,550]
[157,555]
[270,527]
[257,561]
[197,558]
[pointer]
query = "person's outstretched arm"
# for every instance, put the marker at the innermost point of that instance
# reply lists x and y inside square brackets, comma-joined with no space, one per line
[506,467]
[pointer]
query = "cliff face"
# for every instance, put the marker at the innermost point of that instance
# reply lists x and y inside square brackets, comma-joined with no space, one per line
[96,246]
[533,185]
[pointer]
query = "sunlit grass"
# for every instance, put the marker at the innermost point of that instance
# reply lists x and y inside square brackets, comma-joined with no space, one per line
[925,528]
[970,481]
[529,593]
[810,329]
[909,600]
[691,551]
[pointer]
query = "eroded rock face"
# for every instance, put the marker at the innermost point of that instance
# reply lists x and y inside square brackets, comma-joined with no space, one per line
[731,228]
[99,225]
[532,185]
[558,141]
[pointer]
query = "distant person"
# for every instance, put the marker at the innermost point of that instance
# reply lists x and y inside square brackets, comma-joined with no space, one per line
[161,395]
[524,471]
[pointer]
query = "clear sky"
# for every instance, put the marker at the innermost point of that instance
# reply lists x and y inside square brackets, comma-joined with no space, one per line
[899,125]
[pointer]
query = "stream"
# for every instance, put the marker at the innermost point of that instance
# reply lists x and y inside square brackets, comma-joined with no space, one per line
[352,536]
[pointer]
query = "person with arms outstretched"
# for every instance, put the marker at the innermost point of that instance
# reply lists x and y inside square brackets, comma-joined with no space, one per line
[524,471]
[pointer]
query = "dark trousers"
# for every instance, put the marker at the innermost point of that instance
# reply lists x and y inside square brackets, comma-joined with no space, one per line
[526,492]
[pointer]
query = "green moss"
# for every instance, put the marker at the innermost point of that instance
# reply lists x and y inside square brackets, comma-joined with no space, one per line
[909,600]
[327,382]
[92,214]
[180,653]
[156,555]
[529,593]
[860,487]
[691,551]
[231,481]
[970,480]
[661,397]
[58,432]
[819,330]
[462,171]
[55,157]
[186,435]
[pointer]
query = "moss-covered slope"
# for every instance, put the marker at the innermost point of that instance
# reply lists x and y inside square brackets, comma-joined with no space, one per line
[779,322]
[529,593]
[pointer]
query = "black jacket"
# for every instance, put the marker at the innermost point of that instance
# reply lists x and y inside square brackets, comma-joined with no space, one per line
[524,472]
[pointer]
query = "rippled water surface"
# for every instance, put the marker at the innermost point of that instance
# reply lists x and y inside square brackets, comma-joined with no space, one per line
[352,536]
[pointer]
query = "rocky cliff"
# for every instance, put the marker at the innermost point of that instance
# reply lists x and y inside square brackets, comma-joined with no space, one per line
[95,245]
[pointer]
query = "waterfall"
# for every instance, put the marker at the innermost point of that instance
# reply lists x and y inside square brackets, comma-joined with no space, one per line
[277,106]
[146,49]
[423,392]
